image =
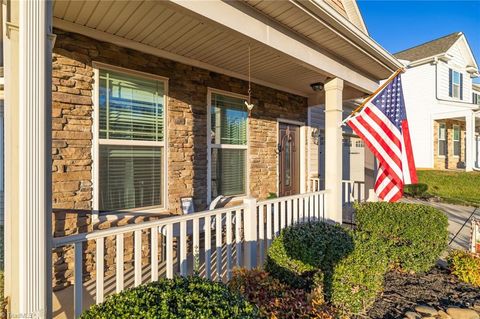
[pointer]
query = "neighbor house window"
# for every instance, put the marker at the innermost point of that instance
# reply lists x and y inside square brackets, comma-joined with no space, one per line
[456,140]
[476,98]
[228,145]
[131,148]
[456,84]
[442,140]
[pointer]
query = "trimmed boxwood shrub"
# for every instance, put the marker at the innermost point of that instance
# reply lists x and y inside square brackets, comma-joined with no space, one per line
[416,190]
[358,278]
[416,234]
[181,297]
[304,251]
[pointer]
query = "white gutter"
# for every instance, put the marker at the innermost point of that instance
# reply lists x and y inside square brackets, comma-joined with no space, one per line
[339,22]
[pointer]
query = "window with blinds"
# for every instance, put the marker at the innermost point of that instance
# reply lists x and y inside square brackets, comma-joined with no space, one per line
[442,140]
[456,140]
[228,148]
[131,143]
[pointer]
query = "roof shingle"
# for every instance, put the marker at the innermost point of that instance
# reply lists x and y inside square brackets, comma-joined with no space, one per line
[429,49]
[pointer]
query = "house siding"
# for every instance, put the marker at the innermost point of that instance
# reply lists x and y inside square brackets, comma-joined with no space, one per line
[72,109]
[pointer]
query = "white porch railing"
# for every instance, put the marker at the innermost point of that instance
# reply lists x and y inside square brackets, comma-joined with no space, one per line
[352,191]
[209,243]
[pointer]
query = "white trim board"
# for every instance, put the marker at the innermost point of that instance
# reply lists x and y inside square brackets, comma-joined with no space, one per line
[211,90]
[96,141]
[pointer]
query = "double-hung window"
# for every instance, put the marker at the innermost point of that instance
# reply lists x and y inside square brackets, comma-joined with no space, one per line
[476,98]
[131,147]
[228,145]
[442,140]
[456,84]
[456,140]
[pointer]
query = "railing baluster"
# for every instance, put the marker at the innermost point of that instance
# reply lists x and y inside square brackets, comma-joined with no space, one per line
[276,218]
[322,207]
[78,278]
[300,208]
[228,239]
[138,257]
[269,224]
[238,239]
[289,202]
[196,245]
[261,232]
[119,261]
[218,243]
[99,263]
[295,210]
[311,213]
[283,215]
[208,244]
[183,248]
[169,255]
[154,253]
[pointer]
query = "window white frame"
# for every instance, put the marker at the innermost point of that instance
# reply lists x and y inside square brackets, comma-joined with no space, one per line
[442,139]
[96,141]
[456,85]
[456,127]
[211,145]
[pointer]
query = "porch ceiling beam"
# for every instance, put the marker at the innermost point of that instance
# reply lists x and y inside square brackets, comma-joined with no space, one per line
[255,29]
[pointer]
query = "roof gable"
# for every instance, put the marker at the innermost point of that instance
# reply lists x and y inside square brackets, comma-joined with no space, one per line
[461,51]
[428,49]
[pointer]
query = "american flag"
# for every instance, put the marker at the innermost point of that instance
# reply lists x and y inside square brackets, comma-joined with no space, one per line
[382,124]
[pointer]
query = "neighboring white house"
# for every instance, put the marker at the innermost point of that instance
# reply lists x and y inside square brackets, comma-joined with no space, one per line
[442,102]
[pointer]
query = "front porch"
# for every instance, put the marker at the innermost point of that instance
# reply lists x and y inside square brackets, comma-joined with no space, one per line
[188,71]
[456,141]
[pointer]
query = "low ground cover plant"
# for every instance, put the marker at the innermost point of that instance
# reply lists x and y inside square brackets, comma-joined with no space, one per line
[181,297]
[416,234]
[465,266]
[276,299]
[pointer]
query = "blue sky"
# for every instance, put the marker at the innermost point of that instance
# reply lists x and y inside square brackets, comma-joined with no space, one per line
[398,25]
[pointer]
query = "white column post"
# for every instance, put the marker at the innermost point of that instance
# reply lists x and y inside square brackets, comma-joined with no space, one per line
[250,232]
[469,141]
[28,157]
[333,148]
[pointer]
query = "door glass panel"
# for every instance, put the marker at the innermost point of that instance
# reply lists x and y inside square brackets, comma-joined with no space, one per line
[287,162]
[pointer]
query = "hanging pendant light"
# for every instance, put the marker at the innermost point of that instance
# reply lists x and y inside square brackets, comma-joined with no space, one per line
[249,104]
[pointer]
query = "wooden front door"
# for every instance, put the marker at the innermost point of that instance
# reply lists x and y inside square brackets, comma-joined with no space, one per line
[289,159]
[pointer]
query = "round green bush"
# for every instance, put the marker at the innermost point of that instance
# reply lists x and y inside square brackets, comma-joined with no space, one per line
[416,190]
[358,278]
[181,297]
[416,234]
[302,251]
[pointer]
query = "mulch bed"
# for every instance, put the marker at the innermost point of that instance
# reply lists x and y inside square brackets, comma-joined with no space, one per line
[437,288]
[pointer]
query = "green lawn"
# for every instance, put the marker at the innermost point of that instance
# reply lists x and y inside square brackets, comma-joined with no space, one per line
[452,186]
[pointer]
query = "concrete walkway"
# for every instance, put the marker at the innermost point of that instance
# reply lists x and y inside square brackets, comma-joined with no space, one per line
[457,215]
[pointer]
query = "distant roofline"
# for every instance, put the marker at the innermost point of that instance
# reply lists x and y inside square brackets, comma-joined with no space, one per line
[459,33]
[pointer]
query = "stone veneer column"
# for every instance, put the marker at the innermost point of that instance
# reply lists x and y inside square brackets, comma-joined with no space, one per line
[27,158]
[333,148]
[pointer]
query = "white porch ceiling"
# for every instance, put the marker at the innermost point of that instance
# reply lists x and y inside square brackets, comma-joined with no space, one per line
[167,27]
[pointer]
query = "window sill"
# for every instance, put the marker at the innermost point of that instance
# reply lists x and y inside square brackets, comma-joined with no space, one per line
[129,217]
